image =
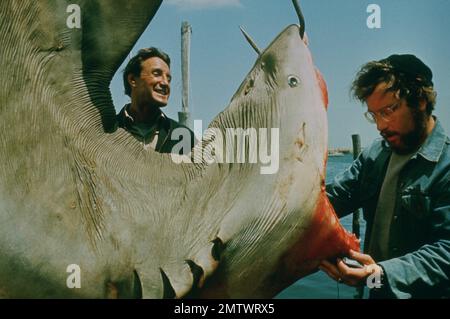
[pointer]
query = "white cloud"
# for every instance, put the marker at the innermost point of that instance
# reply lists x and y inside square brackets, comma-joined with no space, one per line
[203,4]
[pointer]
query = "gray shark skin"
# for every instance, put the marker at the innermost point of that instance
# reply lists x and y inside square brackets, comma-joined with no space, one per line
[74,189]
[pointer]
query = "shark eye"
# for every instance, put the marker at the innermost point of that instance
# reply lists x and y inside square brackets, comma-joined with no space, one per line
[293,81]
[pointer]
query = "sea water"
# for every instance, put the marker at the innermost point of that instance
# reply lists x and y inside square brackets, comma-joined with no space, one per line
[319,285]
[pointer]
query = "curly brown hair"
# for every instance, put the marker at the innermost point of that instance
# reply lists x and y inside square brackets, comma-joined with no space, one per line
[411,81]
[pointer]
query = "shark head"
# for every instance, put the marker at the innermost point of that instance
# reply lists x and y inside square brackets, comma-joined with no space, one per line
[289,225]
[285,83]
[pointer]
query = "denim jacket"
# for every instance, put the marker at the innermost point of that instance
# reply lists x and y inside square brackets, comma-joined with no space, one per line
[419,248]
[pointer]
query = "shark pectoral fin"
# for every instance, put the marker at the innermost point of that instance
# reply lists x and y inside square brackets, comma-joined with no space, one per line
[106,26]
[108,33]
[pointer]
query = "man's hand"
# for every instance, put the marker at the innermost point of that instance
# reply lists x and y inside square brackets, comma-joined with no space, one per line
[351,276]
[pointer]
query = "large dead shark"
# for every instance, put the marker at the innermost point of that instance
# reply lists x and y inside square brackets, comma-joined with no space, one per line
[76,191]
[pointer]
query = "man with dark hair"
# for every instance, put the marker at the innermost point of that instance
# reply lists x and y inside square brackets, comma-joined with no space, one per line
[146,79]
[402,182]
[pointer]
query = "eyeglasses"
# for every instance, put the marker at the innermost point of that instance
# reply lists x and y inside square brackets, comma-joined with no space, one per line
[385,113]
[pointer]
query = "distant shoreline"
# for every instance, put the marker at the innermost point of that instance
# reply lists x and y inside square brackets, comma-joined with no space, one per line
[339,151]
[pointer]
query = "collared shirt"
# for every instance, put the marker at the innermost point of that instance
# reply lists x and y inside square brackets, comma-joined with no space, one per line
[157,135]
[146,133]
[418,263]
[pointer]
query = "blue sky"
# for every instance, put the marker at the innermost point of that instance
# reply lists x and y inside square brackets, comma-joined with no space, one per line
[340,42]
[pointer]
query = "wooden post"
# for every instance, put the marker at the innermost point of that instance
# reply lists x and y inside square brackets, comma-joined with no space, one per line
[186,31]
[356,141]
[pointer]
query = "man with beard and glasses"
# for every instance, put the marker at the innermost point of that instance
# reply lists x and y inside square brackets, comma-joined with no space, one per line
[146,79]
[402,183]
